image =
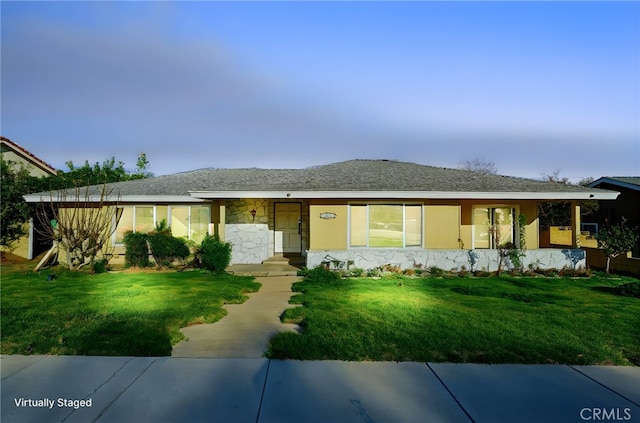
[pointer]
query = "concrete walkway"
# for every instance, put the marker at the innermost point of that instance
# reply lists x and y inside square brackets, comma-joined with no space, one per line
[245,331]
[185,390]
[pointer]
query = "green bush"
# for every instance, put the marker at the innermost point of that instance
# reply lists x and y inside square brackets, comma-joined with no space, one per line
[166,249]
[321,274]
[136,249]
[100,265]
[215,255]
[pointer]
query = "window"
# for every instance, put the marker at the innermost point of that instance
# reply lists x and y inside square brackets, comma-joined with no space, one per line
[490,220]
[134,218]
[385,225]
[190,222]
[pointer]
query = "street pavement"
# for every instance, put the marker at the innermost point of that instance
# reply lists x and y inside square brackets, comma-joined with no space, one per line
[166,389]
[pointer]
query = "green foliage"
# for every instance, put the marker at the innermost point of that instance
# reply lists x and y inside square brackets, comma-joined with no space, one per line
[136,249]
[215,255]
[322,275]
[166,248]
[435,272]
[617,239]
[100,265]
[15,210]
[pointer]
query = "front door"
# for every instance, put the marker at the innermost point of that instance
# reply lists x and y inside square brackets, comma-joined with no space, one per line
[288,227]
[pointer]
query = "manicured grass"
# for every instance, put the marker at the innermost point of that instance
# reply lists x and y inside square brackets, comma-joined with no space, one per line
[128,313]
[483,320]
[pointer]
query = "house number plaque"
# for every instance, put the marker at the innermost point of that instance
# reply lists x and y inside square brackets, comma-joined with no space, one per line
[328,215]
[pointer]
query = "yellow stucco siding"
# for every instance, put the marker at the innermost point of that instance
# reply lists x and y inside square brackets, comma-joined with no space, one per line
[34,168]
[530,211]
[441,226]
[328,234]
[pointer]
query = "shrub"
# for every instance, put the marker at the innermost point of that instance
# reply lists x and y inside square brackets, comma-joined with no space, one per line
[320,274]
[166,249]
[215,255]
[100,265]
[136,249]
[435,272]
[356,272]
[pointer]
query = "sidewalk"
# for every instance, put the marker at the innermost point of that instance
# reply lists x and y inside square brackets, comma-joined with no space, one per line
[185,390]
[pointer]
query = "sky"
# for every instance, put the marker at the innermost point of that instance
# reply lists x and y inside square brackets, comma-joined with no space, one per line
[535,87]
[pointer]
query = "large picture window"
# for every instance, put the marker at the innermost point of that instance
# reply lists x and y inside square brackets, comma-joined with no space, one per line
[492,225]
[134,218]
[385,225]
[190,222]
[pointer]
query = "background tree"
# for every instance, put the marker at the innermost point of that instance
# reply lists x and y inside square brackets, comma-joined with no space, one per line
[14,213]
[617,239]
[479,166]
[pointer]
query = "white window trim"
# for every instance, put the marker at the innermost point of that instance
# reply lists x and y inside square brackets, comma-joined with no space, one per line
[404,224]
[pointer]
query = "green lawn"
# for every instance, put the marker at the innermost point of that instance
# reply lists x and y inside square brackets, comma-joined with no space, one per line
[137,314]
[453,319]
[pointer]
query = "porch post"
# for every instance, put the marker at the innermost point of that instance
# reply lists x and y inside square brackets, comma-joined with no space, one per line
[222,221]
[575,224]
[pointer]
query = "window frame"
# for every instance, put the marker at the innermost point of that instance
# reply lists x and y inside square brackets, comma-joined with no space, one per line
[190,216]
[515,231]
[114,236]
[368,229]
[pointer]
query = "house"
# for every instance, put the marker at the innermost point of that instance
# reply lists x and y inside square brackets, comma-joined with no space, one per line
[626,205]
[12,152]
[363,213]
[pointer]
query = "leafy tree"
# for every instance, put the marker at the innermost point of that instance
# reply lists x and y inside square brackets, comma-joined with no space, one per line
[617,239]
[15,211]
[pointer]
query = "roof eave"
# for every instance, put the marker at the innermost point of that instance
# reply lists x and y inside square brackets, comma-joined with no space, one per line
[615,182]
[543,196]
[155,199]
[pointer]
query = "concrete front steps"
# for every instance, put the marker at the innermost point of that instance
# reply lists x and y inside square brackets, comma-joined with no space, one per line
[273,266]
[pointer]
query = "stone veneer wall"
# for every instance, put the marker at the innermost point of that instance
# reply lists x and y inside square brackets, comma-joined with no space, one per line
[238,210]
[370,258]
[249,242]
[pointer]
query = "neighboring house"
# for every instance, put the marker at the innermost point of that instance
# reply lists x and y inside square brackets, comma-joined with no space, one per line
[363,213]
[12,152]
[626,205]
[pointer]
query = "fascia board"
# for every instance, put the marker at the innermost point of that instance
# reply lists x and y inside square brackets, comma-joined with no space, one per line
[40,198]
[551,196]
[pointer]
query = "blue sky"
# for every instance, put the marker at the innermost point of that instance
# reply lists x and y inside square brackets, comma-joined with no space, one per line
[535,87]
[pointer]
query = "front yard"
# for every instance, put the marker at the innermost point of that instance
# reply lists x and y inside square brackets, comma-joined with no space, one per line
[127,313]
[465,319]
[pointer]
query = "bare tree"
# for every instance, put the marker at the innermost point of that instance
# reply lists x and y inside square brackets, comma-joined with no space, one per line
[80,221]
[480,166]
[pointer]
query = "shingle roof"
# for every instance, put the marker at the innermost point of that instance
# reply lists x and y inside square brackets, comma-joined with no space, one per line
[348,176]
[631,182]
